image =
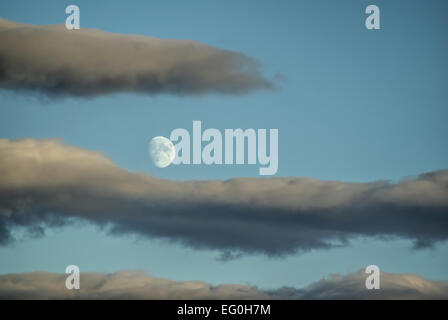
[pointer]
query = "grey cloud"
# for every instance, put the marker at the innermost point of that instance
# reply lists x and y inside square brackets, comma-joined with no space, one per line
[120,285]
[352,286]
[138,285]
[87,62]
[46,182]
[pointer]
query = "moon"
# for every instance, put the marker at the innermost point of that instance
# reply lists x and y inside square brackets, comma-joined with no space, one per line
[161,151]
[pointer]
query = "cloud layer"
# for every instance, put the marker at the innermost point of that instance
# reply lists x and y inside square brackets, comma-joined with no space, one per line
[87,62]
[138,285]
[46,182]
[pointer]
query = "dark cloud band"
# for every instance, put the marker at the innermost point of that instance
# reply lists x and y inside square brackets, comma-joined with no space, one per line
[47,182]
[86,62]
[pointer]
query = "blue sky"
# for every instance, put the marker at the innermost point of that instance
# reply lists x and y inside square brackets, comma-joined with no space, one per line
[356,105]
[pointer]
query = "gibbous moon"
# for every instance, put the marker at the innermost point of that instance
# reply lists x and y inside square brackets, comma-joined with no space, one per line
[161,151]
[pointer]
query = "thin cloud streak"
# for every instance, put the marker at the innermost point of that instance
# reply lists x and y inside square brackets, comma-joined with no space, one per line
[139,285]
